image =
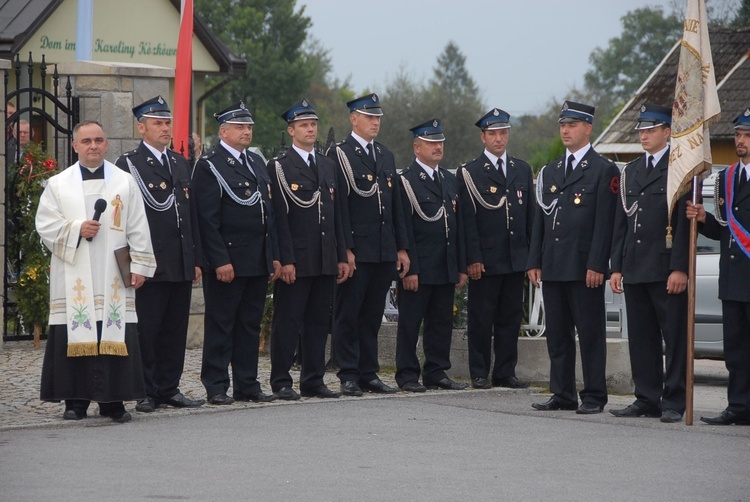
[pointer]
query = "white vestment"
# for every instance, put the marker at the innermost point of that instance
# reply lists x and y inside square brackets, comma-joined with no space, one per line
[85,282]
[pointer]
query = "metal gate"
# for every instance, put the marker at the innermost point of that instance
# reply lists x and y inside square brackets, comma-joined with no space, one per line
[50,115]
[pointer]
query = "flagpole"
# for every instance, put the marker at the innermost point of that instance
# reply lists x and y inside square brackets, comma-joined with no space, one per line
[690,366]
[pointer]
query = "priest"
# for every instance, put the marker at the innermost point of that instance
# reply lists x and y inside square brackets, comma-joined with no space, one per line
[85,214]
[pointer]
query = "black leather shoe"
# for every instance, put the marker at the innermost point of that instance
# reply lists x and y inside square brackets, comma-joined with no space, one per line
[220,399]
[510,382]
[287,394]
[260,397]
[726,418]
[119,415]
[671,416]
[377,386]
[147,405]
[350,388]
[322,392]
[180,401]
[74,415]
[413,387]
[553,404]
[447,384]
[633,411]
[589,409]
[480,383]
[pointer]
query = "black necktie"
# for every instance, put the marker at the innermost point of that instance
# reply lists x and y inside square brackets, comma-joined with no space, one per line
[314,168]
[371,152]
[650,166]
[245,163]
[500,170]
[743,179]
[569,167]
[165,162]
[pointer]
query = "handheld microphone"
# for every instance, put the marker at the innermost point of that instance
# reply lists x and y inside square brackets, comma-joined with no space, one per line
[99,207]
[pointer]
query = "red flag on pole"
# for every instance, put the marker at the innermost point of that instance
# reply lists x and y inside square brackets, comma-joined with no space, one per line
[183,79]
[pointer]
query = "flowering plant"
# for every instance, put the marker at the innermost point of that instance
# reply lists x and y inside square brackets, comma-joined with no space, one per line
[33,258]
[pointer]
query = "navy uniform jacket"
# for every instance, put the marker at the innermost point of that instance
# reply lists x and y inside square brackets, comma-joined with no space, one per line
[734,265]
[177,248]
[234,233]
[310,238]
[494,237]
[577,234]
[639,248]
[374,237]
[436,259]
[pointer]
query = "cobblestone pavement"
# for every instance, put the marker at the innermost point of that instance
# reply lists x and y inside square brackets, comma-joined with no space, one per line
[21,368]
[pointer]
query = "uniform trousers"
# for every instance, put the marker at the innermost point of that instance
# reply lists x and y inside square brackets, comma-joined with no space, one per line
[163,312]
[570,305]
[495,312]
[360,301]
[301,309]
[737,355]
[654,314]
[431,305]
[234,311]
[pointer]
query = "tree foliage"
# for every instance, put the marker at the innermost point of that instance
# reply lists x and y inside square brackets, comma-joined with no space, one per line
[620,68]
[270,35]
[742,16]
[450,95]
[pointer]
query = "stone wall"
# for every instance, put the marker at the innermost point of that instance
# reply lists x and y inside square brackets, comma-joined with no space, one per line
[108,92]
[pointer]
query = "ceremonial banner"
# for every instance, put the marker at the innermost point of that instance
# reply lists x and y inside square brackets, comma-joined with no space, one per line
[696,105]
[183,79]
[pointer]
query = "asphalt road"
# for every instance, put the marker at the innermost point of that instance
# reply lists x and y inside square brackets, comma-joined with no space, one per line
[467,445]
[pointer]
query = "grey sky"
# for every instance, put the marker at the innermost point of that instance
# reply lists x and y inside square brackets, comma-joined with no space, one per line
[521,53]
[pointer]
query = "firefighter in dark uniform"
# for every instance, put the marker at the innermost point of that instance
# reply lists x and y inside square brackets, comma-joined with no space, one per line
[497,209]
[163,303]
[730,225]
[313,256]
[376,242]
[232,190]
[429,196]
[570,249]
[652,274]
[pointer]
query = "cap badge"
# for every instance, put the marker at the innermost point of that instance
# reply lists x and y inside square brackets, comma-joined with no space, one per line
[643,108]
[747,112]
[375,98]
[160,100]
[435,123]
[496,112]
[242,105]
[304,102]
[565,106]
